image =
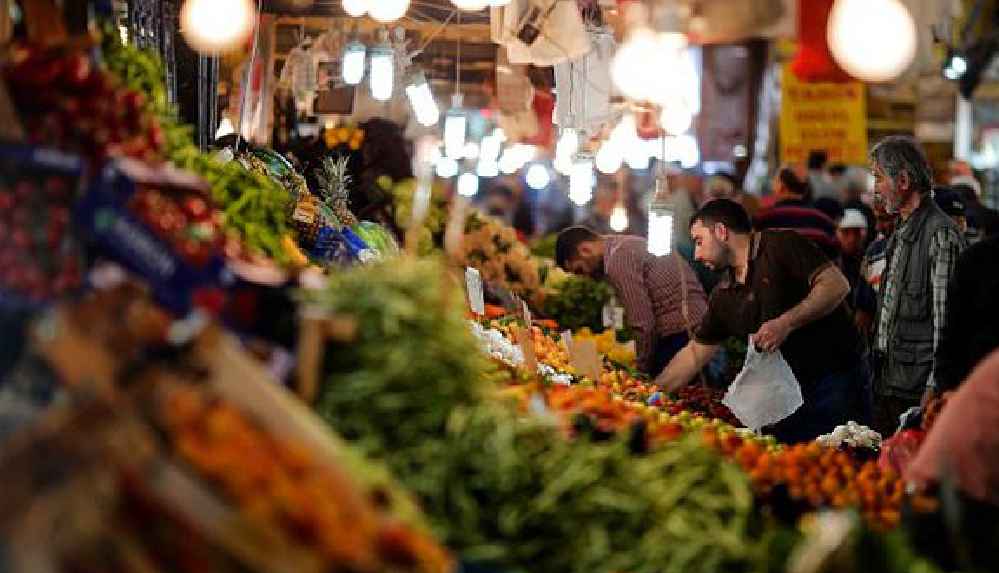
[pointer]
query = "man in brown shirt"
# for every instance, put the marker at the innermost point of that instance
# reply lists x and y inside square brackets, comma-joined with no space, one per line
[785,294]
[661,296]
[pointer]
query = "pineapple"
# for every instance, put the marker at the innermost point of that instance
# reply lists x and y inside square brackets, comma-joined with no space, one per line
[333,182]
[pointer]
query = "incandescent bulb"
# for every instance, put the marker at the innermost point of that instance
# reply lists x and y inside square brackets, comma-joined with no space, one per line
[446,167]
[619,219]
[468,184]
[355,8]
[382,73]
[873,40]
[354,56]
[538,177]
[216,26]
[387,10]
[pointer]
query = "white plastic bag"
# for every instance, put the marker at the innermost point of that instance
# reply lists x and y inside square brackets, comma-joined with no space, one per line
[765,392]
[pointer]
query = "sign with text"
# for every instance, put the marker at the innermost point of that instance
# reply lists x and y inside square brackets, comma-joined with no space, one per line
[822,116]
[526,341]
[585,359]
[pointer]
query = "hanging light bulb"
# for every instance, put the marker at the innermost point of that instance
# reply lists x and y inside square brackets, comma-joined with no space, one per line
[630,67]
[216,26]
[619,218]
[676,117]
[581,181]
[537,177]
[636,155]
[387,10]
[446,167]
[568,142]
[382,80]
[471,150]
[352,68]
[422,100]
[486,169]
[455,127]
[471,5]
[661,219]
[489,149]
[874,40]
[608,159]
[355,8]
[468,184]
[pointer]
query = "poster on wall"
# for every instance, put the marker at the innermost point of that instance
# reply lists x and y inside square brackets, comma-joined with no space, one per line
[822,116]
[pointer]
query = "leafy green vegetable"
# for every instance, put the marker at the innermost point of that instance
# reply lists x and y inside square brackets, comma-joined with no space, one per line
[577,302]
[255,206]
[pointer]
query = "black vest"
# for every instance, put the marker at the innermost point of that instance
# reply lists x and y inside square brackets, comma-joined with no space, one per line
[909,358]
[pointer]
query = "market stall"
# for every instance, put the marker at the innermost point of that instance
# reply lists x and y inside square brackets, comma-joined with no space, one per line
[305,348]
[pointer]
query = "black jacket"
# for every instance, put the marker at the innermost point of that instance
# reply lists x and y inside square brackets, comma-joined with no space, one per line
[972,329]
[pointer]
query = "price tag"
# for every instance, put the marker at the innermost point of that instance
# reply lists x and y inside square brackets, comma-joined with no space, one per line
[526,341]
[473,285]
[585,359]
[618,318]
[567,340]
[608,315]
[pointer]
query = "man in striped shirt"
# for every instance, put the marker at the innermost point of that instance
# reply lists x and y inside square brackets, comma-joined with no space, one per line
[662,299]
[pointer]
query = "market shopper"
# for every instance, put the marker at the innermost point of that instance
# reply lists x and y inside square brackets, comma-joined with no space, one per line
[920,256]
[793,211]
[971,330]
[852,235]
[781,291]
[662,298]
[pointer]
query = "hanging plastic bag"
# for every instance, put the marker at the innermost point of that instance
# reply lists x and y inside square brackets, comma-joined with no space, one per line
[765,392]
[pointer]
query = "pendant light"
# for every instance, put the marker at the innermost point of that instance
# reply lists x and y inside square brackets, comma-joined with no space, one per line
[217,26]
[382,77]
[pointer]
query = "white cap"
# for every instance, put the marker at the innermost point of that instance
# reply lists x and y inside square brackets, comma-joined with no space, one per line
[853,219]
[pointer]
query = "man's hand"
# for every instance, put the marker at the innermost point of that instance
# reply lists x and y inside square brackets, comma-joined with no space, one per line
[772,334]
[685,365]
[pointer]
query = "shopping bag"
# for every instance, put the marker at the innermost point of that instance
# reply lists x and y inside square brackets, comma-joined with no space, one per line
[765,392]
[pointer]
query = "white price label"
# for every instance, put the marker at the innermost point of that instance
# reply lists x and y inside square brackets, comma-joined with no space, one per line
[618,318]
[473,284]
[608,315]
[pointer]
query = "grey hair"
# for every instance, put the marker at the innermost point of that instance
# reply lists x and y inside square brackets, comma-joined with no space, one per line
[897,154]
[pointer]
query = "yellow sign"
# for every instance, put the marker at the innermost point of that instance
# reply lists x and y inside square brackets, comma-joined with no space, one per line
[822,116]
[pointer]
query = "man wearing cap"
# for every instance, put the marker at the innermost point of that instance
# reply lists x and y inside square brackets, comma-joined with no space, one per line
[953,206]
[852,235]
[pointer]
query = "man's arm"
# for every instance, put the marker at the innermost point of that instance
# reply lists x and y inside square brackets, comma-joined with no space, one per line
[829,288]
[685,365]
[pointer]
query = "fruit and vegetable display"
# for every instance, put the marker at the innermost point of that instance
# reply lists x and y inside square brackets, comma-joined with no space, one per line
[494,250]
[576,302]
[145,426]
[39,258]
[499,487]
[255,206]
[281,485]
[184,219]
[66,101]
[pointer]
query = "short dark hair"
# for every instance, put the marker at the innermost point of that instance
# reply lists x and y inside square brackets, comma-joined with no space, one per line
[837,169]
[568,242]
[726,212]
[896,154]
[817,158]
[794,184]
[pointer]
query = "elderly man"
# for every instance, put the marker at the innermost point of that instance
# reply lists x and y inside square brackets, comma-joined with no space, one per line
[921,256]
